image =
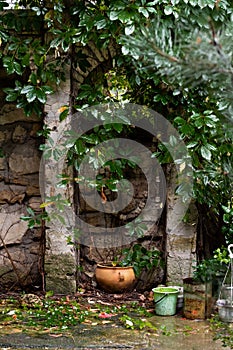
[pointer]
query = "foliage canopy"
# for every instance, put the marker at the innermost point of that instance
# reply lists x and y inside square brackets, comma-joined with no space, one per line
[173,56]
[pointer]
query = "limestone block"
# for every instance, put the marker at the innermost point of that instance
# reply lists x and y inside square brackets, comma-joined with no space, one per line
[60,273]
[56,241]
[98,219]
[34,250]
[19,134]
[16,209]
[29,180]
[78,78]
[60,262]
[35,128]
[2,163]
[104,240]
[32,190]
[181,236]
[10,114]
[2,137]
[25,267]
[12,228]
[179,268]
[97,52]
[5,136]
[181,248]
[7,276]
[35,203]
[11,193]
[25,159]
[181,243]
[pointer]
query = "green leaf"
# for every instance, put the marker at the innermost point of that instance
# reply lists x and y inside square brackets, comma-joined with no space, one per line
[143,11]
[26,89]
[57,154]
[25,60]
[179,121]
[101,24]
[33,78]
[31,95]
[3,4]
[63,114]
[12,97]
[30,211]
[129,30]
[192,144]
[55,43]
[151,9]
[211,147]
[125,50]
[124,16]
[113,15]
[118,127]
[41,95]
[205,152]
[17,68]
[47,89]
[168,10]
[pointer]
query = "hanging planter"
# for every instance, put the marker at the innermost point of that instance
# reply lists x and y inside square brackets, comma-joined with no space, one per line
[115,279]
[225,300]
[225,307]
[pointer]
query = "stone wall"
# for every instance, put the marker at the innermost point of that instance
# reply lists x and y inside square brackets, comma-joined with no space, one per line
[60,258]
[21,249]
[24,257]
[181,235]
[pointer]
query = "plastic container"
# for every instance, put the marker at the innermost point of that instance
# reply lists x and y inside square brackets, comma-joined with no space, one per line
[197,299]
[165,299]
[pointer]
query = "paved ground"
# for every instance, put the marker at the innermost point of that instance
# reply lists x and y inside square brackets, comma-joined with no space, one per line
[175,333]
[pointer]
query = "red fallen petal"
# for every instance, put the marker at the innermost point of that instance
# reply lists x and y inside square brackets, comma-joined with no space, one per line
[105,315]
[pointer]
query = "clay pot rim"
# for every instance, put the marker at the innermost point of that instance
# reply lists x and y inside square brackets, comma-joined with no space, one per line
[110,266]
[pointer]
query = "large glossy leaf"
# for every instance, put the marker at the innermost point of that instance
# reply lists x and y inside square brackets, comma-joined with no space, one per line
[205,152]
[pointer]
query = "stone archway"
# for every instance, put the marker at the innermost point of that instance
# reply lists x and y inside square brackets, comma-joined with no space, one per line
[20,188]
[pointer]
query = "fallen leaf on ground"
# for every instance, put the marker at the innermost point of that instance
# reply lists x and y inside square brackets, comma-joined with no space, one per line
[105,315]
[93,310]
[117,296]
[90,301]
[87,322]
[151,296]
[103,302]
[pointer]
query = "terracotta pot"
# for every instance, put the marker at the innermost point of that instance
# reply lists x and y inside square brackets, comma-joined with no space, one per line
[114,279]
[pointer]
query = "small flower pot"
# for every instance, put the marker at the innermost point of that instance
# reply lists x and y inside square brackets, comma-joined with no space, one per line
[115,279]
